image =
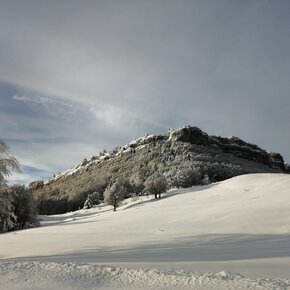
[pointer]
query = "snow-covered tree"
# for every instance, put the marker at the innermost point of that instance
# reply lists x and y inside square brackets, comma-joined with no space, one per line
[186,177]
[24,206]
[206,180]
[116,193]
[156,184]
[7,165]
[88,203]
[97,197]
[7,216]
[137,184]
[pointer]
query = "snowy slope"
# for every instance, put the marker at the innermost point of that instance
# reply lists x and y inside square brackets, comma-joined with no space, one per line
[240,225]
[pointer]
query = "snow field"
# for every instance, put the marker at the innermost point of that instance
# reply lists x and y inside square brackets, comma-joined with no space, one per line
[240,225]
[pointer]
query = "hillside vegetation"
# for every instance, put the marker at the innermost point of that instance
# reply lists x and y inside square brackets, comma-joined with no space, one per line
[185,157]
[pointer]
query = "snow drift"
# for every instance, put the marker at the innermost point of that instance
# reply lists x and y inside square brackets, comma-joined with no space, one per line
[37,275]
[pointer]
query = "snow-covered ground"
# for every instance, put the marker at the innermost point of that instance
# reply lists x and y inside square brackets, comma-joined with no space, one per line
[196,238]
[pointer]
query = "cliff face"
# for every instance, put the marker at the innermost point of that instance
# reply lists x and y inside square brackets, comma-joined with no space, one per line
[185,156]
[233,145]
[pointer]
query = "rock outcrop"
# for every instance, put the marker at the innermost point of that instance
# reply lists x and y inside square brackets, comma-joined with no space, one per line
[232,145]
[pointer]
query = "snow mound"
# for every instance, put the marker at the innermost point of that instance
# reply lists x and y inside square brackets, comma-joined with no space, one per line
[39,275]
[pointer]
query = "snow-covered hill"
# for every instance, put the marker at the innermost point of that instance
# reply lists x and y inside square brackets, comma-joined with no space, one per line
[188,134]
[185,157]
[240,225]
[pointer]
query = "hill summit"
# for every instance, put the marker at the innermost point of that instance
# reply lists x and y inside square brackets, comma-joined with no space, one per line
[185,157]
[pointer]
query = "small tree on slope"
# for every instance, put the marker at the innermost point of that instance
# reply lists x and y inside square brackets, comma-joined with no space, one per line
[88,203]
[115,194]
[156,184]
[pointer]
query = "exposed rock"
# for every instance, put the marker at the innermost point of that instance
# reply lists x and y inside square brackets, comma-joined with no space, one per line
[35,185]
[85,162]
[189,134]
[233,145]
[277,161]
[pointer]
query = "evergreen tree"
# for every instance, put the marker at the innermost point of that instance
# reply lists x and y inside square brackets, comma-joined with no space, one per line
[88,203]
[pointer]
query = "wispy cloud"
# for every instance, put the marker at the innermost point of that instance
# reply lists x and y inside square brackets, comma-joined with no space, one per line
[43,100]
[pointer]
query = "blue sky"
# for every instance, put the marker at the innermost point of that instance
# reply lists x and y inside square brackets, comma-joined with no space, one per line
[80,76]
